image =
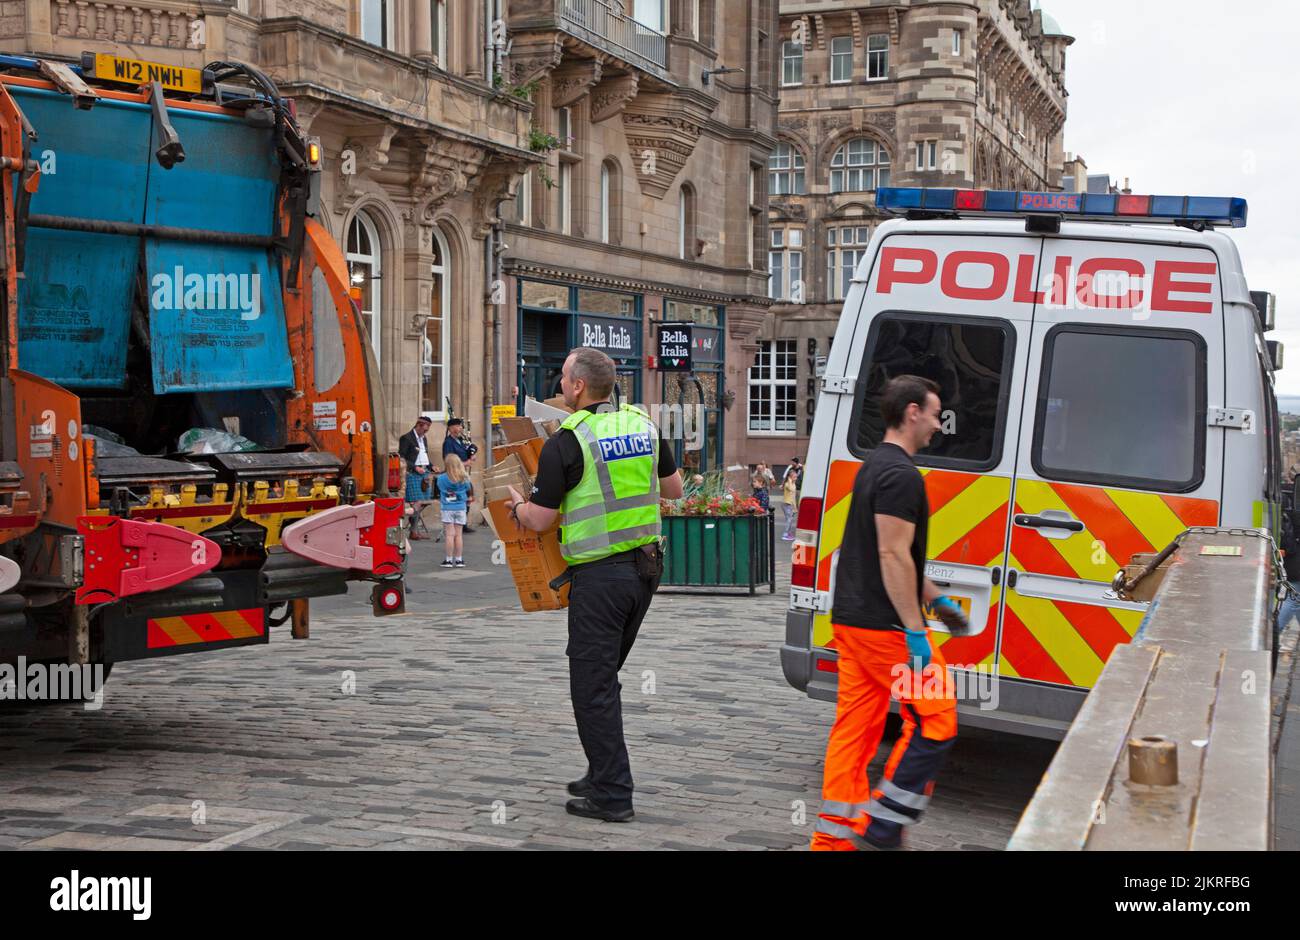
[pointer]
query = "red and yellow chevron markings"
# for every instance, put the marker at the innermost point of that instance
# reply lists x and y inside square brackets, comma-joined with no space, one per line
[1065,642]
[206,628]
[968,524]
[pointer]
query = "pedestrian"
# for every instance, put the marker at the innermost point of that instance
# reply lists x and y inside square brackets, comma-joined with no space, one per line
[790,501]
[760,480]
[457,443]
[795,470]
[454,487]
[603,473]
[413,449]
[881,637]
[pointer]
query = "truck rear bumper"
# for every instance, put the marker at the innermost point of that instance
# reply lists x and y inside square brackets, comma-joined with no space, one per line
[214,611]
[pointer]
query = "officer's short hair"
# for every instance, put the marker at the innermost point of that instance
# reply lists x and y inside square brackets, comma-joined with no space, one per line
[595,368]
[901,391]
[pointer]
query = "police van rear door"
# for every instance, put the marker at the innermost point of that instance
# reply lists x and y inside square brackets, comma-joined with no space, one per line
[1116,456]
[939,303]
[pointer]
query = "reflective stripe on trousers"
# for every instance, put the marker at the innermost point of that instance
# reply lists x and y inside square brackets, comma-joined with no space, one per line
[844,810]
[841,831]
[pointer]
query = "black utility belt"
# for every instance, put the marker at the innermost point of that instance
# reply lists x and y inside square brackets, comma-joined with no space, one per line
[622,558]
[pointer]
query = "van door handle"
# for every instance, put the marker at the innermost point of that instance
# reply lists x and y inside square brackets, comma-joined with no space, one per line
[1047,522]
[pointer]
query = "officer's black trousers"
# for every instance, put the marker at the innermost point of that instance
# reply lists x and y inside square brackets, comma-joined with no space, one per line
[606,606]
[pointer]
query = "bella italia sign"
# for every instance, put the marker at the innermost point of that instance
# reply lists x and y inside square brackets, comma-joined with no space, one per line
[675,347]
[613,338]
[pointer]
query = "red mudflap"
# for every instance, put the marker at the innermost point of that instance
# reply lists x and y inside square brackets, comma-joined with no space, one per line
[364,536]
[132,556]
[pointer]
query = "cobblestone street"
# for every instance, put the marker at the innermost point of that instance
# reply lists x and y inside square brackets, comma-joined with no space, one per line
[458,734]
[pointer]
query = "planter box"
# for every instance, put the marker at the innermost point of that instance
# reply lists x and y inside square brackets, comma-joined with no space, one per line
[720,551]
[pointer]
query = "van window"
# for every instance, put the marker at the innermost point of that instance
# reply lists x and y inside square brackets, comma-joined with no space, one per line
[971,360]
[1123,407]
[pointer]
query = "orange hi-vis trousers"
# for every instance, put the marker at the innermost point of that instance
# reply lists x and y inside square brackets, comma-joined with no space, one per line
[875,667]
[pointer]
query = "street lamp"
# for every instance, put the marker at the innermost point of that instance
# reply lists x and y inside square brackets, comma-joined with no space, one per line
[720,70]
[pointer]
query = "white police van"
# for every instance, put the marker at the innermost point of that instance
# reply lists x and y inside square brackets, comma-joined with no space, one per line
[1106,383]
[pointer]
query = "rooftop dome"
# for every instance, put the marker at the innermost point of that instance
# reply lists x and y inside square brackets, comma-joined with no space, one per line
[1050,26]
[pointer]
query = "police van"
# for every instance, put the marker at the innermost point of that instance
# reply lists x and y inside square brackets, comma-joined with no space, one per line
[1105,384]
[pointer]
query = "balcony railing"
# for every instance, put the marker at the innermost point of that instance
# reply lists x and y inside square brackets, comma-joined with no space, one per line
[596,22]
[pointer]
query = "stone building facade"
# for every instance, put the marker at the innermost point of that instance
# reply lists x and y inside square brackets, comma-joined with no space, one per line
[420,146]
[625,141]
[903,93]
[652,204]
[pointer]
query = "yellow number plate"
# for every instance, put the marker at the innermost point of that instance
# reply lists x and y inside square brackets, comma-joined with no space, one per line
[963,602]
[114,68]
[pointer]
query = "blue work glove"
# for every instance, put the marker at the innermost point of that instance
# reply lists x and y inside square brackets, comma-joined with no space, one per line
[953,617]
[918,647]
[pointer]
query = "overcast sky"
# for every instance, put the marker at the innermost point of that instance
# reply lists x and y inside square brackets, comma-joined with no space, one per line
[1198,97]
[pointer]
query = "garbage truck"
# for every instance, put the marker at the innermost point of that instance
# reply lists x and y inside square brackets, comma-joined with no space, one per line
[191,425]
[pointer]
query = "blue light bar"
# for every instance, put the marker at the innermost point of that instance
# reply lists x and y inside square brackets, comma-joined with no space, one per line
[1210,210]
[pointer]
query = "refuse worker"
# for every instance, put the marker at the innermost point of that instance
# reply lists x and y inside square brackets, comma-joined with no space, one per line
[604,472]
[883,644]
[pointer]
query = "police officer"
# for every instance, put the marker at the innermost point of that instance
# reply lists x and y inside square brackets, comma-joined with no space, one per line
[604,473]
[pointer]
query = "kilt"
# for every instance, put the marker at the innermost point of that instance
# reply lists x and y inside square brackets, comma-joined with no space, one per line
[419,488]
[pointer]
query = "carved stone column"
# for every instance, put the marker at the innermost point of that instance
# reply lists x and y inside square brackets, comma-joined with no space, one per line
[475,41]
[422,30]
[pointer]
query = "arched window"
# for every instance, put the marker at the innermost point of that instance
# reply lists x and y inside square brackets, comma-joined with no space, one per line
[611,203]
[785,171]
[861,165]
[364,257]
[604,203]
[437,336]
[686,222]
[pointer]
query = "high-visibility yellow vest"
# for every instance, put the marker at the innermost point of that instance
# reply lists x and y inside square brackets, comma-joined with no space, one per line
[615,507]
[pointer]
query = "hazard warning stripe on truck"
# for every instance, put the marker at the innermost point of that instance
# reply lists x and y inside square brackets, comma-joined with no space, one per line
[1045,639]
[206,628]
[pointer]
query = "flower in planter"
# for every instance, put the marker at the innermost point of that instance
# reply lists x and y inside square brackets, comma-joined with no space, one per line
[711,495]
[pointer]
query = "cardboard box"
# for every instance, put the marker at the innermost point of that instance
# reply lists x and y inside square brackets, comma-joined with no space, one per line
[534,560]
[518,429]
[509,472]
[528,452]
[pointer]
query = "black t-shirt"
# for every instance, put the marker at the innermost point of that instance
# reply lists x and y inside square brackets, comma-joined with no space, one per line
[559,467]
[888,484]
